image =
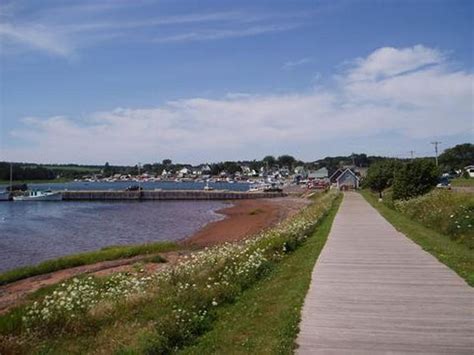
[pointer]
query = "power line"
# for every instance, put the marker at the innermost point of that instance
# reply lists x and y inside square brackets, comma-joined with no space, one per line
[436,143]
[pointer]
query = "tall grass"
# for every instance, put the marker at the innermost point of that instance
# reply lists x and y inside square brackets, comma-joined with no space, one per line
[448,212]
[156,313]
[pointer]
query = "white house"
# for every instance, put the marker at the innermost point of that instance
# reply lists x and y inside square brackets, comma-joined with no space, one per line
[184,172]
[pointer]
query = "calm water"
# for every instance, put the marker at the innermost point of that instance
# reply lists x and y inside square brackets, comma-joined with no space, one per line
[122,185]
[31,232]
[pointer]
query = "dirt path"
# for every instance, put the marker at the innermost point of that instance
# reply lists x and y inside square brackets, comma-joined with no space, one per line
[243,219]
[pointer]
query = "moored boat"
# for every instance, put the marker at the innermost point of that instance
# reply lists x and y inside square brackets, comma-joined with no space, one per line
[40,196]
[5,196]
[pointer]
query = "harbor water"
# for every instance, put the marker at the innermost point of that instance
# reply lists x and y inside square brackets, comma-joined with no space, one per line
[31,232]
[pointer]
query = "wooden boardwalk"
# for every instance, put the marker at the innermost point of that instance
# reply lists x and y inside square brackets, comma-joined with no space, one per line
[374,291]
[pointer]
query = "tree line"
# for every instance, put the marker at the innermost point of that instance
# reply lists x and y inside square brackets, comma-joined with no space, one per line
[451,159]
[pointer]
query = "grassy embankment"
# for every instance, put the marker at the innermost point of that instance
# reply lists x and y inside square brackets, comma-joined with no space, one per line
[167,311]
[265,319]
[419,223]
[462,182]
[104,254]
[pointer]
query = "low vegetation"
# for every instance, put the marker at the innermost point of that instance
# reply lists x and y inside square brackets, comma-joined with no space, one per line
[157,313]
[239,328]
[427,221]
[104,254]
[463,182]
[447,212]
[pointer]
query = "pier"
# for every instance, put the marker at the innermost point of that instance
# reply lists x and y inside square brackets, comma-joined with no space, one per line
[150,195]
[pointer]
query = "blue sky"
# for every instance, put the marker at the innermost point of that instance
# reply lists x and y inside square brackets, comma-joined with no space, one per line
[194,81]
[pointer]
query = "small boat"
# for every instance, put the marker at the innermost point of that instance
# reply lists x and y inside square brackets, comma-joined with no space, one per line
[5,196]
[40,196]
[207,187]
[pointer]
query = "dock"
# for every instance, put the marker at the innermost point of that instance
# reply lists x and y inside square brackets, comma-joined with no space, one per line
[152,195]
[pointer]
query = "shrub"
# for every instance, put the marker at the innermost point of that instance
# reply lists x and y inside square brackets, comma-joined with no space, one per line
[414,179]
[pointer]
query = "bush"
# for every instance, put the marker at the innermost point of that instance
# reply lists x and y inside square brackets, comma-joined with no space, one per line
[414,179]
[447,212]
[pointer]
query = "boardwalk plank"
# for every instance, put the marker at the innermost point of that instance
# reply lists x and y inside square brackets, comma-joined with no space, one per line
[374,291]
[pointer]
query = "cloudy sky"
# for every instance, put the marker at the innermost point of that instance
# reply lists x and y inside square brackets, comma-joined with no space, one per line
[202,81]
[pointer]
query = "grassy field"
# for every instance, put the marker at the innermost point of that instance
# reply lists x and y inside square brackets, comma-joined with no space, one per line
[463,182]
[455,255]
[265,319]
[104,254]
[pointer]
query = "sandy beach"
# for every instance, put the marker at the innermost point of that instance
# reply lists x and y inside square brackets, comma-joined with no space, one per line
[245,218]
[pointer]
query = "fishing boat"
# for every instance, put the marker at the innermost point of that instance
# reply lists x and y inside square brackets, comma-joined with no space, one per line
[207,187]
[40,196]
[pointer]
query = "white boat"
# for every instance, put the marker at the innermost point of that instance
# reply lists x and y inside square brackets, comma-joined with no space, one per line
[40,196]
[5,196]
[207,187]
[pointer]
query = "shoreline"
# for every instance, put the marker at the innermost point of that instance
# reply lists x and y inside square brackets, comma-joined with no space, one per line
[242,219]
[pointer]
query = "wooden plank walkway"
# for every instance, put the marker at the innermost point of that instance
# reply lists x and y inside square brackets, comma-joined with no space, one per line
[374,291]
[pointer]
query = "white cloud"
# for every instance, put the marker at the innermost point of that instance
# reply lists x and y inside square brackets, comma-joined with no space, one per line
[428,102]
[216,34]
[389,61]
[36,36]
[296,63]
[61,30]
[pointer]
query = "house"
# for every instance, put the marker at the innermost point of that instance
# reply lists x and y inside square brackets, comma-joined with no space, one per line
[301,171]
[347,180]
[470,170]
[284,172]
[246,170]
[318,174]
[335,175]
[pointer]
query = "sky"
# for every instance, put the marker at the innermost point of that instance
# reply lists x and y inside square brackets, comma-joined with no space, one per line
[204,81]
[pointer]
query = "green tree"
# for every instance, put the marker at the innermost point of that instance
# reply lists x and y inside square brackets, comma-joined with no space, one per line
[380,175]
[414,178]
[167,162]
[286,160]
[457,157]
[269,161]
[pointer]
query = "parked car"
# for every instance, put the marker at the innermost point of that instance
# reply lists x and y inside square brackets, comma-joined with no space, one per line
[444,183]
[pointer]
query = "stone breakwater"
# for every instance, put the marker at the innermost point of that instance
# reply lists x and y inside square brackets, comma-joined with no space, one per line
[166,195]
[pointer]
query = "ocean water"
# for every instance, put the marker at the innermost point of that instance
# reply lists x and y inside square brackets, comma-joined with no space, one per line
[122,185]
[31,232]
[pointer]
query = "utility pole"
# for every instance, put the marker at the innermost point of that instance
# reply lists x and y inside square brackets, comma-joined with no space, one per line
[412,154]
[436,143]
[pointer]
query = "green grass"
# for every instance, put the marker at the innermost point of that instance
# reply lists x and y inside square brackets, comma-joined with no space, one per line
[451,253]
[104,254]
[463,182]
[264,320]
